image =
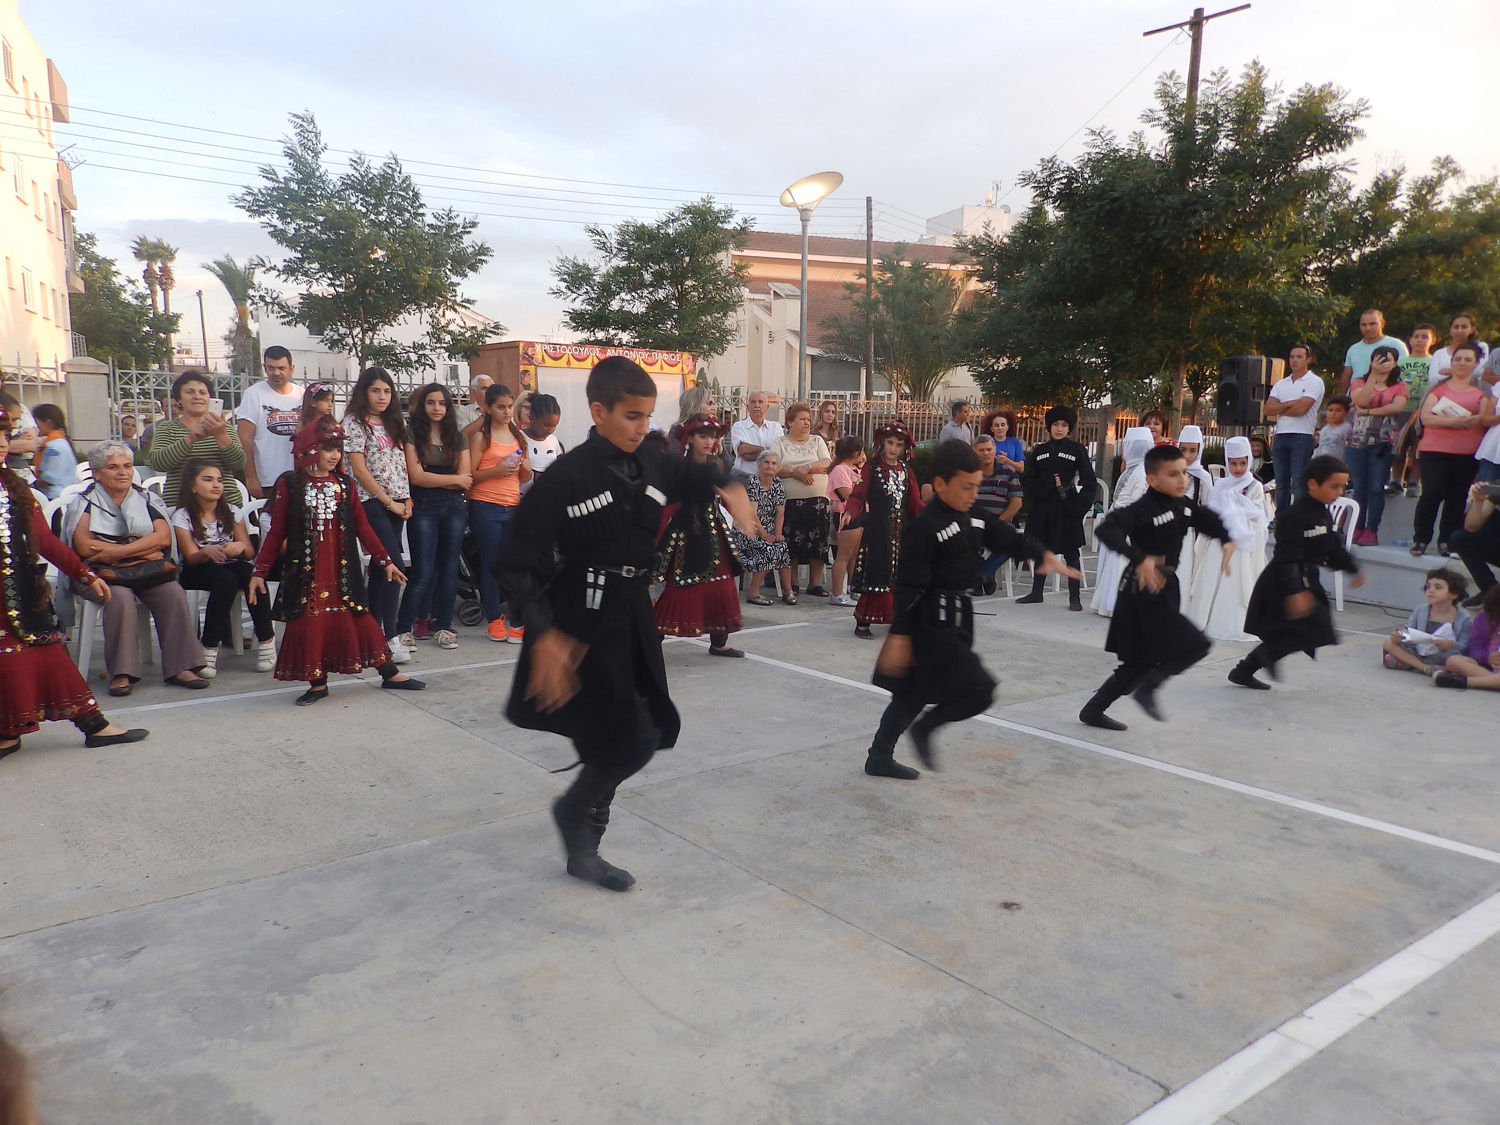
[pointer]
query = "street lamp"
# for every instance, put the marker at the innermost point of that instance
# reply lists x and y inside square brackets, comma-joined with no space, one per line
[805,195]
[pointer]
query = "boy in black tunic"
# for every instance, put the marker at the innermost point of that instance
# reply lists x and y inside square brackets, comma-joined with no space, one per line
[928,658]
[1148,632]
[1060,483]
[578,561]
[1288,608]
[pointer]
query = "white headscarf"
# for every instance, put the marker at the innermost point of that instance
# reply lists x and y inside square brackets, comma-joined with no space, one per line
[1133,449]
[1231,501]
[1195,435]
[1235,447]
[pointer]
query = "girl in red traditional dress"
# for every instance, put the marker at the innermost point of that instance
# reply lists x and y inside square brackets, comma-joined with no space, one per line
[38,683]
[322,597]
[694,556]
[881,503]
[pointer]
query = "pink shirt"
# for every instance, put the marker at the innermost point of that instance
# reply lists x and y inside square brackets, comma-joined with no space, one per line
[840,476]
[1441,439]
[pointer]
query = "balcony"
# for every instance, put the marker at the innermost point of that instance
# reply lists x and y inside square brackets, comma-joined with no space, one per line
[80,346]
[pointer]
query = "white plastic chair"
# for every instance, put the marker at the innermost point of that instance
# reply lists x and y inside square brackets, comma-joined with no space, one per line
[88,622]
[1216,471]
[1345,513]
[156,484]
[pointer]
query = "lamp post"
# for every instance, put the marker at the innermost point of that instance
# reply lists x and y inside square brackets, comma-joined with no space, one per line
[805,195]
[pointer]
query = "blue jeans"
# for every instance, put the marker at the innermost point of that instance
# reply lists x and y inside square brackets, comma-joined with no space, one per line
[490,523]
[1290,454]
[385,595]
[436,535]
[1488,472]
[990,567]
[1369,468]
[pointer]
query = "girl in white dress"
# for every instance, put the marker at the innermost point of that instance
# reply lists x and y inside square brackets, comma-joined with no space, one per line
[1130,487]
[1217,601]
[1200,488]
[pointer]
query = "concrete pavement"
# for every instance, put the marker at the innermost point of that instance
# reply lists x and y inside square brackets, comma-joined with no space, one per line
[356,912]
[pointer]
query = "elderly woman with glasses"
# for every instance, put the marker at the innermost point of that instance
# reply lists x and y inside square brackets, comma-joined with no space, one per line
[117,526]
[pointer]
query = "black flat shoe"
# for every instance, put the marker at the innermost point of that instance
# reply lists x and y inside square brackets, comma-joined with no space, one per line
[863,633]
[1029,599]
[407,684]
[309,697]
[138,734]
[726,651]
[8,750]
[1095,717]
[121,690]
[1245,677]
[816,592]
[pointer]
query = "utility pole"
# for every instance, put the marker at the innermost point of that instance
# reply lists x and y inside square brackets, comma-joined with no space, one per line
[203,328]
[1194,26]
[868,391]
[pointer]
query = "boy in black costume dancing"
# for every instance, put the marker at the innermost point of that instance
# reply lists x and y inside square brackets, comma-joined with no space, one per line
[591,668]
[929,658]
[1288,608]
[1148,631]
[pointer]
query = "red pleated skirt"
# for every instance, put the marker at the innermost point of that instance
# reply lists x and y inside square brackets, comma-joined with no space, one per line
[704,607]
[335,641]
[876,609]
[39,684]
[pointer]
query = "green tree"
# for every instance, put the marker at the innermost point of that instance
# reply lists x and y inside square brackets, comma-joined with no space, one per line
[914,309]
[1154,259]
[114,313]
[239,282]
[667,284]
[365,255]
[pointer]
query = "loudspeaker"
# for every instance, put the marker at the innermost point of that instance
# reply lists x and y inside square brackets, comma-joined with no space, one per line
[1244,381]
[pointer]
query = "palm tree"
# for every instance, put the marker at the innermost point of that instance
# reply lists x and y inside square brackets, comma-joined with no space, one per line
[239,282]
[144,250]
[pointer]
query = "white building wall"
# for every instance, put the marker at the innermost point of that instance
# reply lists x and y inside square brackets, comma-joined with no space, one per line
[34,321]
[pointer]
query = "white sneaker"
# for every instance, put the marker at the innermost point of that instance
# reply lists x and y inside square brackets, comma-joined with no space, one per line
[265,656]
[844,601]
[446,638]
[399,655]
[210,667]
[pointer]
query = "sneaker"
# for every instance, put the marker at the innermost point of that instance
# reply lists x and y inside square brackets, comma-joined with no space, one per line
[1411,492]
[1473,601]
[422,629]
[210,667]
[446,638]
[408,642]
[514,636]
[844,601]
[497,630]
[1444,678]
[265,656]
[399,654]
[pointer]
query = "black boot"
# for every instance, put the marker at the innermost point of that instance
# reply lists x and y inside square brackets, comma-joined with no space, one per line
[1243,674]
[1145,694]
[921,737]
[577,814]
[881,762]
[1035,596]
[1075,595]
[1093,713]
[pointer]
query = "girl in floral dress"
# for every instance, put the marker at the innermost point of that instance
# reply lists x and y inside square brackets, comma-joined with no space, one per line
[322,597]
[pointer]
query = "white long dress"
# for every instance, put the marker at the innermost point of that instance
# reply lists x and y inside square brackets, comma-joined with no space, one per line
[1130,487]
[1200,489]
[1217,601]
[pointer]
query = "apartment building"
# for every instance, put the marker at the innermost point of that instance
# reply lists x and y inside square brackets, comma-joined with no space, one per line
[36,206]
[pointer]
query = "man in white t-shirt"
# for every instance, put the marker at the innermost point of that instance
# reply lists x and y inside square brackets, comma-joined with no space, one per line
[268,418]
[752,435]
[1293,402]
[1371,336]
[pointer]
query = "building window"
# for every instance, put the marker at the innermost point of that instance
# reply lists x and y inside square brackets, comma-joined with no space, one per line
[26,95]
[18,176]
[28,290]
[46,304]
[47,209]
[36,200]
[8,57]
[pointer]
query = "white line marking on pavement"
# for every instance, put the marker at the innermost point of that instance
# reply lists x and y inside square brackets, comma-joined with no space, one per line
[1412,834]
[742,632]
[1219,1091]
[202,701]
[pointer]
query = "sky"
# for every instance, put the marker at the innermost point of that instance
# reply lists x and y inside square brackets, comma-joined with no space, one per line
[539,118]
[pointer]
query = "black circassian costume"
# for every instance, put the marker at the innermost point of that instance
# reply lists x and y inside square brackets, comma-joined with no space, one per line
[579,559]
[939,564]
[881,503]
[695,561]
[1148,631]
[1305,540]
[38,683]
[322,597]
[1055,513]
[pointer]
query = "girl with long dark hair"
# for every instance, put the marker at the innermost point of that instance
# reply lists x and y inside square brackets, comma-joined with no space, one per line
[375,442]
[542,443]
[438,466]
[498,453]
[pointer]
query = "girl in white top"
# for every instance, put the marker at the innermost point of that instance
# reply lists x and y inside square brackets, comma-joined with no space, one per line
[1130,487]
[1460,331]
[1200,488]
[217,557]
[542,444]
[1217,601]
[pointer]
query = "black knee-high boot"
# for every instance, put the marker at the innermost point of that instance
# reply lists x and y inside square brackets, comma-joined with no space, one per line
[1093,713]
[1075,594]
[880,760]
[582,815]
[1036,591]
[1243,673]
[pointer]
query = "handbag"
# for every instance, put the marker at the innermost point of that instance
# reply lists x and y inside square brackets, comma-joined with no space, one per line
[142,575]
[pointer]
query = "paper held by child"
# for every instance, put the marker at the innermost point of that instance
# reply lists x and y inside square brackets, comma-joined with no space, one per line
[1426,643]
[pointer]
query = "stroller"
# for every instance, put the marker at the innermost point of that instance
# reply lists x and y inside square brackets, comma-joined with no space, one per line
[470,610]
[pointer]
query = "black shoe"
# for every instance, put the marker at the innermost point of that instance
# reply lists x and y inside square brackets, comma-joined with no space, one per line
[816,592]
[1244,676]
[1033,598]
[1445,678]
[1075,605]
[922,740]
[581,830]
[863,633]
[311,696]
[885,765]
[136,735]
[1094,716]
[1474,602]
[725,651]
[407,684]
[1145,695]
[7,751]
[989,586]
